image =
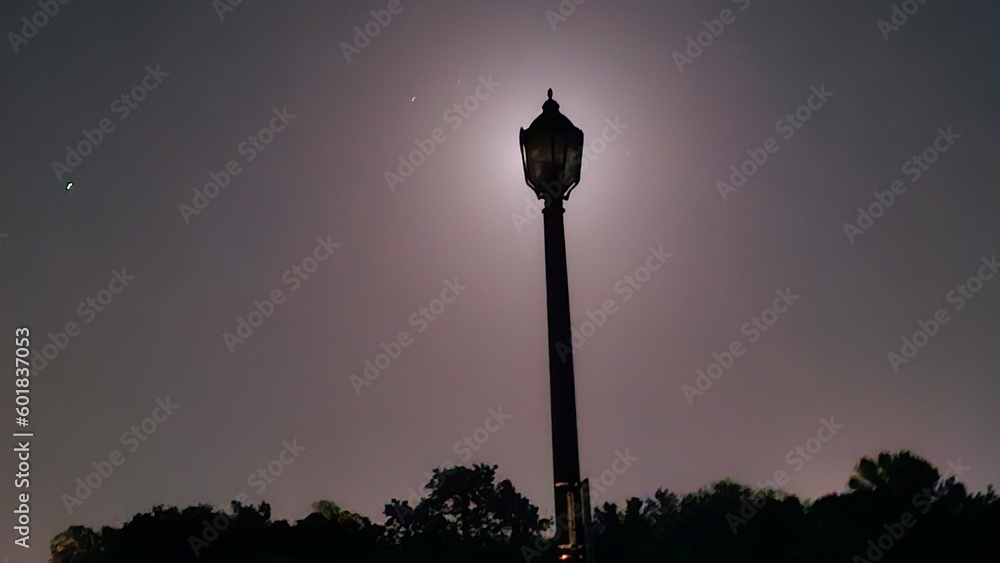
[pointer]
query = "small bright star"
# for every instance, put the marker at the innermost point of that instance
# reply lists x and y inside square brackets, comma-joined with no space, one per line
[68,186]
[413,99]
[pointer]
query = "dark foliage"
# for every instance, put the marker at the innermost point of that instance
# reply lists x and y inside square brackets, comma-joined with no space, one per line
[899,509]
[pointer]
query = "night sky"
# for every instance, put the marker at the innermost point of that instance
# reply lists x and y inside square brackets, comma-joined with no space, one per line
[267,202]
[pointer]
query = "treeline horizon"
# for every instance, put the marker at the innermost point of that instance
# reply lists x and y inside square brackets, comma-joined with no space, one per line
[898,507]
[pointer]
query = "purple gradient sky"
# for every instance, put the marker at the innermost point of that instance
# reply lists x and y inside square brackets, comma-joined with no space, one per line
[654,185]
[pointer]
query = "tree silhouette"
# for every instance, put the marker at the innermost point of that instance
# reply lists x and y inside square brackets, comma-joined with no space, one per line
[77,544]
[900,474]
[466,511]
[898,509]
[331,533]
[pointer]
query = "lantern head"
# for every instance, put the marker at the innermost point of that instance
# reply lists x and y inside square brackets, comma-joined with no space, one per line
[552,153]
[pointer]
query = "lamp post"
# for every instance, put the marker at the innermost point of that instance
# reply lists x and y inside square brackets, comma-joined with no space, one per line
[552,151]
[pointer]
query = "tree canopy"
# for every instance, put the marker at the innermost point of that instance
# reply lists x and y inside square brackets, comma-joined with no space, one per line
[897,508]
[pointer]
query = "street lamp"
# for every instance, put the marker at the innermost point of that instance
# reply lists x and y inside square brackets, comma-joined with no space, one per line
[552,151]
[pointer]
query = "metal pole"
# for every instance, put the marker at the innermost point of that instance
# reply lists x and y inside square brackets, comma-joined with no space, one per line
[569,503]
